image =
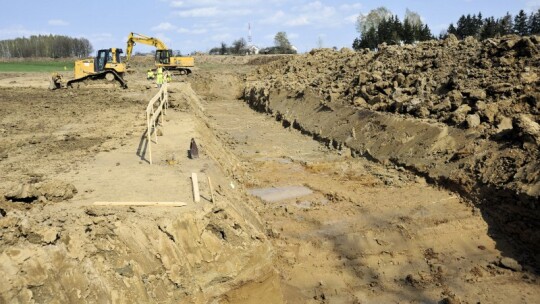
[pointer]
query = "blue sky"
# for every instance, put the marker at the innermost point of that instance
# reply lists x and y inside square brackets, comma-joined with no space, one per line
[202,24]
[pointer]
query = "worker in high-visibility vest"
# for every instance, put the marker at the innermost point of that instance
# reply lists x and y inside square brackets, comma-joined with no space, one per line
[168,77]
[159,78]
[150,75]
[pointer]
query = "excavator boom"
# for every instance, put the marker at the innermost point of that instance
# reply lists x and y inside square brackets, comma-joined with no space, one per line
[163,56]
[134,38]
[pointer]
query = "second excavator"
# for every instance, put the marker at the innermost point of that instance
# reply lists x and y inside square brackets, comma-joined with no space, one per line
[164,56]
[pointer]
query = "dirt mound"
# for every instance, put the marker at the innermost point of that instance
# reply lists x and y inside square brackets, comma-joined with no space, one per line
[221,59]
[258,60]
[102,255]
[466,84]
[47,191]
[464,114]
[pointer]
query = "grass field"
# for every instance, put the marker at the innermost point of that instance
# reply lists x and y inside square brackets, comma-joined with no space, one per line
[36,66]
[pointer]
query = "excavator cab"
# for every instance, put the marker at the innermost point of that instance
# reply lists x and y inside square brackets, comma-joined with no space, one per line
[163,56]
[108,59]
[101,60]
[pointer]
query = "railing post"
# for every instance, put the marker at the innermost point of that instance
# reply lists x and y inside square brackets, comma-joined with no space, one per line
[148,136]
[153,120]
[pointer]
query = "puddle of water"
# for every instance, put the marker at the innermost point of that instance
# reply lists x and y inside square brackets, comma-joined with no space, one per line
[276,194]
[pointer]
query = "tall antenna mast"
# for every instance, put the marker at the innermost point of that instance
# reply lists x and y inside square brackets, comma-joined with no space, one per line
[249,33]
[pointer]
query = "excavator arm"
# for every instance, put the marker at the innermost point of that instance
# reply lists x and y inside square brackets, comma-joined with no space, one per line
[163,57]
[134,38]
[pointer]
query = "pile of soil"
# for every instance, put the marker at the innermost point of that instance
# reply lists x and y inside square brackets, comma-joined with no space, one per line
[465,114]
[92,254]
[490,86]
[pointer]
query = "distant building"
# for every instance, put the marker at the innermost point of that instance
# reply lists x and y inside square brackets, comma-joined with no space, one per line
[252,50]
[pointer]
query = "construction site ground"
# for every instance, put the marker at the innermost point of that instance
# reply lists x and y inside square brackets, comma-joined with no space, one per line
[294,220]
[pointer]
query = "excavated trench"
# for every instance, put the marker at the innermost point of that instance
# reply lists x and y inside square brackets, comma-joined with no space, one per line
[363,213]
[436,152]
[353,219]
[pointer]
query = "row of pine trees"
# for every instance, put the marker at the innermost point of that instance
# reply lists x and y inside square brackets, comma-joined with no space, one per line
[52,46]
[392,31]
[483,28]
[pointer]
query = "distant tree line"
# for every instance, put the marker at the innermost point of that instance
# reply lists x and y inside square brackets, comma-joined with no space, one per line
[282,45]
[482,28]
[52,46]
[381,26]
[238,47]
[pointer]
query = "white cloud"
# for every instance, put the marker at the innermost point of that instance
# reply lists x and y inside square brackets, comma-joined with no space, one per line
[301,20]
[316,5]
[163,38]
[198,31]
[18,31]
[177,3]
[212,11]
[219,3]
[351,7]
[101,37]
[57,22]
[221,37]
[164,26]
[276,18]
[199,12]
[314,13]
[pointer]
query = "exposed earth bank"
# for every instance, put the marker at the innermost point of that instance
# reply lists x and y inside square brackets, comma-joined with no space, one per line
[338,228]
[464,114]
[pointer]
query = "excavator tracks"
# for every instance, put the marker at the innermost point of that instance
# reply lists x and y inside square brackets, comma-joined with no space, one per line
[109,75]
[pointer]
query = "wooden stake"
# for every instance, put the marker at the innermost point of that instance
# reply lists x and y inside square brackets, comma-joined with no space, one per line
[149,140]
[212,199]
[195,183]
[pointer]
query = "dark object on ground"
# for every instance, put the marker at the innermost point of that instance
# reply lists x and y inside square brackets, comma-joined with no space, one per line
[193,149]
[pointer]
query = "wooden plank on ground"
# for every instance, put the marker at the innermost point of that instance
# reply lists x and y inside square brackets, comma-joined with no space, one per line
[195,183]
[157,204]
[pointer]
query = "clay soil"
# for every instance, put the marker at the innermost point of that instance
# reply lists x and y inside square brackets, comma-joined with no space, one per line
[364,230]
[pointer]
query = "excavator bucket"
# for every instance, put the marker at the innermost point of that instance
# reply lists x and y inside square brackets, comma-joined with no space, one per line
[55,81]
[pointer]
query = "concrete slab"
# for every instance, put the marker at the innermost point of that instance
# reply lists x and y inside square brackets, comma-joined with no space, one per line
[276,194]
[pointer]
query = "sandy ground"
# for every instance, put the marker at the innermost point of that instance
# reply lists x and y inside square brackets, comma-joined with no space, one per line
[365,232]
[368,233]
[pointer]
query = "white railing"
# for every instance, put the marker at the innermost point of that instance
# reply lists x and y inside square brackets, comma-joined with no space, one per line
[156,109]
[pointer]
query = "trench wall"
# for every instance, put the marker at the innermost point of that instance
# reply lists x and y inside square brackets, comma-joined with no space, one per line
[450,157]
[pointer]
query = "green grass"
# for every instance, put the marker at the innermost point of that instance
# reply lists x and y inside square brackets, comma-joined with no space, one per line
[36,66]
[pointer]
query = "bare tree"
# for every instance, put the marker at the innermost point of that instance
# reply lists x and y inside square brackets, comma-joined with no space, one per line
[366,22]
[413,18]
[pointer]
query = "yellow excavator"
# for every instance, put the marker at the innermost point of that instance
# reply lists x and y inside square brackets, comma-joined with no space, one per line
[106,65]
[164,56]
